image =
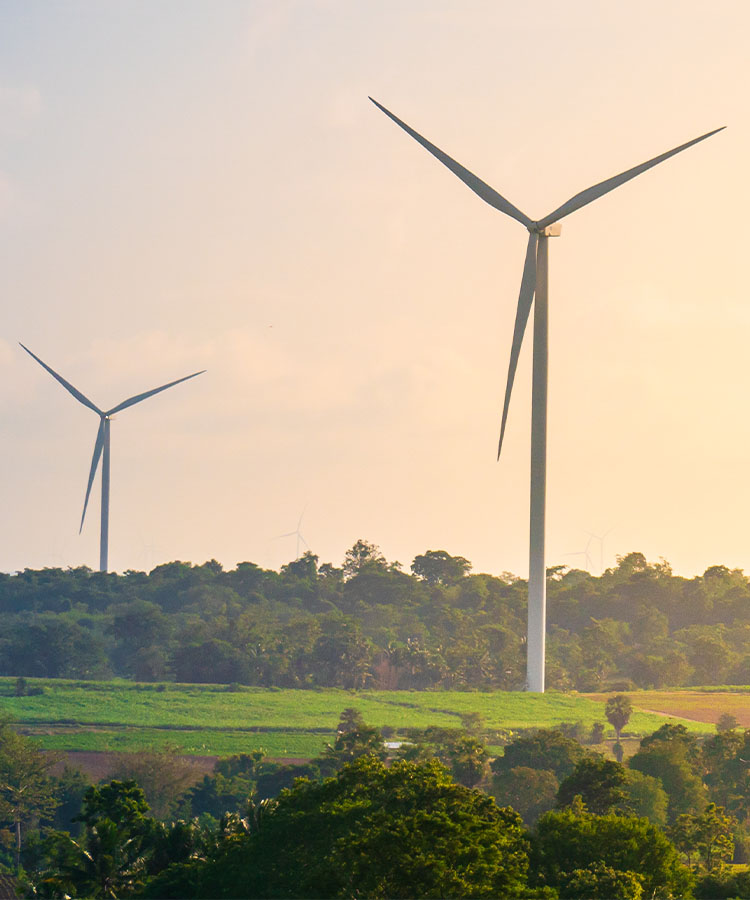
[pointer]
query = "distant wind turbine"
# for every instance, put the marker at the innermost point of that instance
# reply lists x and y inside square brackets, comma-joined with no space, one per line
[534,285]
[600,538]
[101,447]
[587,561]
[296,533]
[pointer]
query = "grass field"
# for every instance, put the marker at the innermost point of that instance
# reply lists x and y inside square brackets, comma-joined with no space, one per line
[212,720]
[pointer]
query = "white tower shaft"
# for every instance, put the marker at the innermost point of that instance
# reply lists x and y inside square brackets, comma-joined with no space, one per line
[537,611]
[104,537]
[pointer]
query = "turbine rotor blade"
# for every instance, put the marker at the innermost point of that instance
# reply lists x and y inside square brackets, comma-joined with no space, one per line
[525,298]
[483,190]
[604,187]
[98,446]
[131,401]
[66,384]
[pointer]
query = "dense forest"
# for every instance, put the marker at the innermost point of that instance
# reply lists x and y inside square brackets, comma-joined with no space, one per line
[369,623]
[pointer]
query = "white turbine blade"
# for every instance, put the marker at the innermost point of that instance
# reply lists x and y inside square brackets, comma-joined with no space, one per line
[525,298]
[94,464]
[138,397]
[488,194]
[604,187]
[304,542]
[66,384]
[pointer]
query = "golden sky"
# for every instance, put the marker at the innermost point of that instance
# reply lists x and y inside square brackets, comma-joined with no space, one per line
[189,185]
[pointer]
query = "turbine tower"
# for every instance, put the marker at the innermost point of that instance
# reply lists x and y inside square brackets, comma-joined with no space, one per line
[101,447]
[534,289]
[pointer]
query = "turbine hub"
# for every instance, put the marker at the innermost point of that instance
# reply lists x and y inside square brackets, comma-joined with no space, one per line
[553,230]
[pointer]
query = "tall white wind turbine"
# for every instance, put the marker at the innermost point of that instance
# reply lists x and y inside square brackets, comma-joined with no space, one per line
[534,289]
[101,447]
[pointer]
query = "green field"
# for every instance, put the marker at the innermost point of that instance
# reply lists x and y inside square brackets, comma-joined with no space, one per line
[213,720]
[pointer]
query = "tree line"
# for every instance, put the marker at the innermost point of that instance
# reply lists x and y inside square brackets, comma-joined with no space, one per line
[370,623]
[434,816]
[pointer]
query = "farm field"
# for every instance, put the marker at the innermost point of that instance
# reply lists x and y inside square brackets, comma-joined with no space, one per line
[699,705]
[215,720]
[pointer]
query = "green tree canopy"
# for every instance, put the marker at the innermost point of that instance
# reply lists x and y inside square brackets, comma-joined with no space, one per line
[672,759]
[618,711]
[567,841]
[707,834]
[598,781]
[439,567]
[546,748]
[531,792]
[26,789]
[372,831]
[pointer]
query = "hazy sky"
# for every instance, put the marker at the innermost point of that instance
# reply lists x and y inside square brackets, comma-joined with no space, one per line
[189,185]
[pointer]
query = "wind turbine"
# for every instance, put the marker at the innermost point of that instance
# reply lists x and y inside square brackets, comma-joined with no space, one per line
[296,533]
[101,447]
[600,538]
[534,288]
[586,556]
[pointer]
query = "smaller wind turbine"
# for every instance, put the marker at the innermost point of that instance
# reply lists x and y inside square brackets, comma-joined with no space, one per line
[587,561]
[296,533]
[101,447]
[600,538]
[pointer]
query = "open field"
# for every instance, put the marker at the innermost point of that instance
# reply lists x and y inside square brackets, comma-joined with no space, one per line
[214,720]
[698,705]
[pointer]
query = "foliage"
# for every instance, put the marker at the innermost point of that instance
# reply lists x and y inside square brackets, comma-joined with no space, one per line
[26,789]
[239,781]
[601,881]
[366,623]
[644,797]
[466,758]
[70,788]
[670,754]
[566,841]
[598,781]
[726,722]
[361,557]
[403,831]
[120,848]
[618,711]
[726,773]
[360,740]
[546,749]
[108,860]
[439,567]
[708,834]
[531,792]
[161,773]
[726,883]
